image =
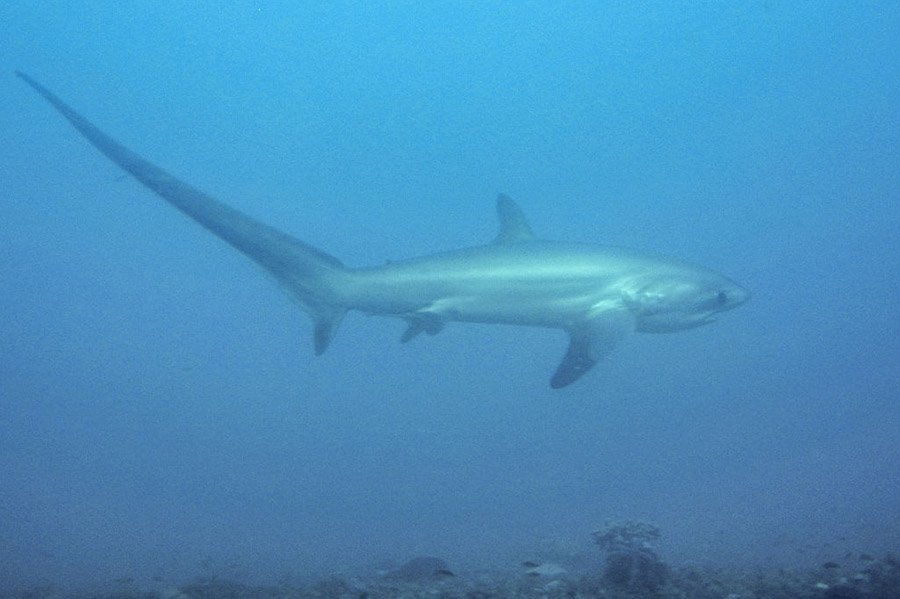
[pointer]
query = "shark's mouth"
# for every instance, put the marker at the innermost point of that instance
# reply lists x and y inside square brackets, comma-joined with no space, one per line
[672,322]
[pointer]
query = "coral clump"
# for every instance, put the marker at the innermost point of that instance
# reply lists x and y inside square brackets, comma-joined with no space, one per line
[631,559]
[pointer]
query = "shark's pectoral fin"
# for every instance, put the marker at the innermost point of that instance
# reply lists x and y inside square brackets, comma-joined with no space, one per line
[577,361]
[421,322]
[590,342]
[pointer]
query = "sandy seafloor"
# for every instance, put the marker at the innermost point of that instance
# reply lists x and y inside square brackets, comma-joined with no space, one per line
[856,576]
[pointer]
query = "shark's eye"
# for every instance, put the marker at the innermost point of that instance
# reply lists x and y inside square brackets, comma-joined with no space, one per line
[722,298]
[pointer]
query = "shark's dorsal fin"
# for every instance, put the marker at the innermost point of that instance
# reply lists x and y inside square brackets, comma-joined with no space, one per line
[513,224]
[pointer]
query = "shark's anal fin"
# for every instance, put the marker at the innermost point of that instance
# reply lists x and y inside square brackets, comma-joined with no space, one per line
[589,342]
[514,226]
[326,322]
[421,322]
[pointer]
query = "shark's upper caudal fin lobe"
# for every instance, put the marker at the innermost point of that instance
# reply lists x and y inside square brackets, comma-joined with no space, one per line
[303,270]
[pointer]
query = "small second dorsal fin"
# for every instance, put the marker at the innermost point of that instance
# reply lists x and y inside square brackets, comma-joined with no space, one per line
[513,224]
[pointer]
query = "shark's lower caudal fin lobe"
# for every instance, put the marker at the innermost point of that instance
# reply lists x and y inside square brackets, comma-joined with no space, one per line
[307,273]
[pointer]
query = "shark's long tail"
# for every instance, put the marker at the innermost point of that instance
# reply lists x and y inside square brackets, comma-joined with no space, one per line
[309,274]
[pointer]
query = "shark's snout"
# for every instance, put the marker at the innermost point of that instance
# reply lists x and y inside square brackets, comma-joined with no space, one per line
[733,297]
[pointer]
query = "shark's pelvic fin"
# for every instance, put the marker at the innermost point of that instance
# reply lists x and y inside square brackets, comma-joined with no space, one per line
[513,224]
[421,322]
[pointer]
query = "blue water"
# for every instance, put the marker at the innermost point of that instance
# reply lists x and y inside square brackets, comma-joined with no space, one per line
[161,410]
